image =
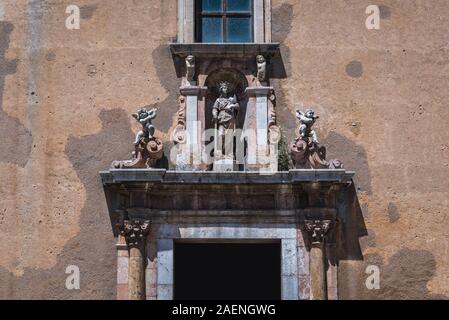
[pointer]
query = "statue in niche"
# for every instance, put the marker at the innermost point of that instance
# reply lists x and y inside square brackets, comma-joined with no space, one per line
[261,68]
[148,148]
[224,113]
[190,68]
[305,150]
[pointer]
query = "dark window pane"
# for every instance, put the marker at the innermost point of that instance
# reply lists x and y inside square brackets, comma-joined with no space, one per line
[211,5]
[211,29]
[239,5]
[239,30]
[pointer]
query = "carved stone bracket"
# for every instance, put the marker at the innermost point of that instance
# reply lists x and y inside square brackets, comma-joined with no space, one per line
[146,155]
[135,232]
[317,230]
[148,148]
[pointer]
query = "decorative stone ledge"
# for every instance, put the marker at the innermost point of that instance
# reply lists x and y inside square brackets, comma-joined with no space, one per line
[209,177]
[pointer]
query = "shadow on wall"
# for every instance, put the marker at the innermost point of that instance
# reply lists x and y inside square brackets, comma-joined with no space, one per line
[353,156]
[405,276]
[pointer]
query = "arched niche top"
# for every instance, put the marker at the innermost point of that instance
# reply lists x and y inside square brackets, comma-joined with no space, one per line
[235,78]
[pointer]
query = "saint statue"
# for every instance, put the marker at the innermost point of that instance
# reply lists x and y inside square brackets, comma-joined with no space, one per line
[224,113]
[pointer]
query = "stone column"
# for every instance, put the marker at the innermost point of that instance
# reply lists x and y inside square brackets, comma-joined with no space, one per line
[135,232]
[317,230]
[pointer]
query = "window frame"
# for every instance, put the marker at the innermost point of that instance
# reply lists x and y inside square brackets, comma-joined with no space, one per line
[224,14]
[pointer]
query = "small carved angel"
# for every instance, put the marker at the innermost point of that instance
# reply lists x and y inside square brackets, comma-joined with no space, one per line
[307,120]
[261,67]
[145,116]
[190,67]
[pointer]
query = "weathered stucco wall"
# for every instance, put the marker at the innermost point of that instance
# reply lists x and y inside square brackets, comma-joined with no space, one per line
[66,96]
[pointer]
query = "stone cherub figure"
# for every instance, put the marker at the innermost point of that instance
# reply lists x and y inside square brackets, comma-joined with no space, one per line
[307,120]
[190,68]
[261,67]
[224,112]
[145,117]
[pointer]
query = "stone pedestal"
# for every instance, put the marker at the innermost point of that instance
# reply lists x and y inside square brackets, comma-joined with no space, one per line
[223,165]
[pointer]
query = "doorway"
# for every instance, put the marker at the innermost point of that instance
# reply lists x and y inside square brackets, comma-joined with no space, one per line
[227,271]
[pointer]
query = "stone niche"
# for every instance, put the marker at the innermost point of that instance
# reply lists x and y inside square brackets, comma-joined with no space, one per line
[247,69]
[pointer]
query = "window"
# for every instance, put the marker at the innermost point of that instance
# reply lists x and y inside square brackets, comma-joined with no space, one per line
[221,21]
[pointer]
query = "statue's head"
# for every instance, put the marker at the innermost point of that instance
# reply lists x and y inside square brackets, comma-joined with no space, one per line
[190,58]
[260,59]
[224,87]
[309,113]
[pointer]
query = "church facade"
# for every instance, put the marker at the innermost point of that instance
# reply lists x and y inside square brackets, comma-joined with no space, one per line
[220,149]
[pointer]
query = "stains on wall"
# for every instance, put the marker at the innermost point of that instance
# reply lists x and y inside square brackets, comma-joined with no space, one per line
[393,213]
[16,141]
[385,12]
[405,276]
[87,11]
[354,69]
[93,249]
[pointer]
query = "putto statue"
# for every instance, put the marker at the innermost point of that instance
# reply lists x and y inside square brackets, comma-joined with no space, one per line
[305,150]
[261,67]
[145,117]
[307,120]
[148,148]
[224,113]
[190,68]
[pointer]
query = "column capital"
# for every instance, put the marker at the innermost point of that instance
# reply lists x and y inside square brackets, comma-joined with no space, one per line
[317,229]
[135,231]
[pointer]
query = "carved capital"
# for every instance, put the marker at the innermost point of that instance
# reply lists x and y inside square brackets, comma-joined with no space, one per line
[135,231]
[317,230]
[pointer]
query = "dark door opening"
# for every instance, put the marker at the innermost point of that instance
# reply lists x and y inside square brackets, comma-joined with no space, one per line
[233,271]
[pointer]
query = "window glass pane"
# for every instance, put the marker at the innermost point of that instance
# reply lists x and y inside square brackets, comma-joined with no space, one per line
[211,29]
[211,5]
[239,5]
[239,29]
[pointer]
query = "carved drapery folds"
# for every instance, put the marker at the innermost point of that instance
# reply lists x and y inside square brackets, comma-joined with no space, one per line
[148,148]
[305,150]
[135,232]
[317,230]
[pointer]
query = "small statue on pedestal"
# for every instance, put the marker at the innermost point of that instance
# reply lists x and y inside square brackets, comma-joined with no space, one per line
[305,150]
[224,113]
[148,148]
